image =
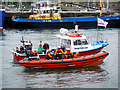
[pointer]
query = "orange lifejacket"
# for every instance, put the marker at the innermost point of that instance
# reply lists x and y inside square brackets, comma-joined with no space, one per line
[74,35]
[33,52]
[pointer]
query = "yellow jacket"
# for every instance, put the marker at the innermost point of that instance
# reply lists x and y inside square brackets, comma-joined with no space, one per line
[59,51]
[49,54]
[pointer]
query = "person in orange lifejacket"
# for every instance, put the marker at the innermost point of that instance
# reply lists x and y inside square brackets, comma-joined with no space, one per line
[68,54]
[48,55]
[58,53]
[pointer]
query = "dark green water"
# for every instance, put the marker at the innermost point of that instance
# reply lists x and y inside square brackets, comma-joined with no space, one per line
[15,76]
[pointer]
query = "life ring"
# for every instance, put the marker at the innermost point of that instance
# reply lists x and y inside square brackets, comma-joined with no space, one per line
[13,17]
[32,18]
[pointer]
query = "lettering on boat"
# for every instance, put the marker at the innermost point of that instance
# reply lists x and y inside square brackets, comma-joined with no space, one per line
[100,59]
[81,48]
[71,65]
[47,20]
[37,67]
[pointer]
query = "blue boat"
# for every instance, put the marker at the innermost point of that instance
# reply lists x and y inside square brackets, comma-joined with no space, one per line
[2,16]
[83,22]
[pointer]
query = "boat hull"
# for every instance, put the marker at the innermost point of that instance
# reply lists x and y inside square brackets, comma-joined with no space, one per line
[92,60]
[17,58]
[113,22]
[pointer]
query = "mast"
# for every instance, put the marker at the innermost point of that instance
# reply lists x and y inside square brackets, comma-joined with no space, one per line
[12,5]
[88,4]
[93,3]
[19,4]
[100,8]
[6,2]
[107,4]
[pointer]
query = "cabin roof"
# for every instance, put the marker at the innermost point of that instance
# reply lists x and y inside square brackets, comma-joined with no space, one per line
[70,38]
[46,8]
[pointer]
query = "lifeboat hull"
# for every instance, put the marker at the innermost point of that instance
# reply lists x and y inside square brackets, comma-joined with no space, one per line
[83,61]
[17,58]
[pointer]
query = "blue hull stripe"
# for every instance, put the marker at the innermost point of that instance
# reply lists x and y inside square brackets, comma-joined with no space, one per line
[84,19]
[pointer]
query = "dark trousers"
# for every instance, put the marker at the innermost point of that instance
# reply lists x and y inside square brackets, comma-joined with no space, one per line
[69,56]
[59,56]
[45,51]
[30,48]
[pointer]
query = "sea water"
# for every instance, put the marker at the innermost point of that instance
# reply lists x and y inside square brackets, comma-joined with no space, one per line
[13,75]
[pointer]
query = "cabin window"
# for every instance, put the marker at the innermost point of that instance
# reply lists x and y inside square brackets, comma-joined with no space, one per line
[43,12]
[80,42]
[58,7]
[66,42]
[55,11]
[46,12]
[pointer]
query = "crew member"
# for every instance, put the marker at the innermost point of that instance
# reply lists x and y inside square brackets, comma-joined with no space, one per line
[49,56]
[68,54]
[58,53]
[17,50]
[40,49]
[45,47]
[63,47]
[21,49]
[30,46]
[27,45]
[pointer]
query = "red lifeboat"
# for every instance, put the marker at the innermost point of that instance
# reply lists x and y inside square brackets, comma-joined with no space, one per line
[83,61]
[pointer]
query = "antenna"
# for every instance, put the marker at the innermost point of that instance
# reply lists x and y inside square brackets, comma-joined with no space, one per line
[22,41]
[76,28]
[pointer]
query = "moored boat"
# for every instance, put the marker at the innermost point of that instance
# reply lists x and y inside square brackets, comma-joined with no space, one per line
[83,22]
[50,17]
[83,61]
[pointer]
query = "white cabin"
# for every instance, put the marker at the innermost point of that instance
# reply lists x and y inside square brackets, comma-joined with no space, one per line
[74,42]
